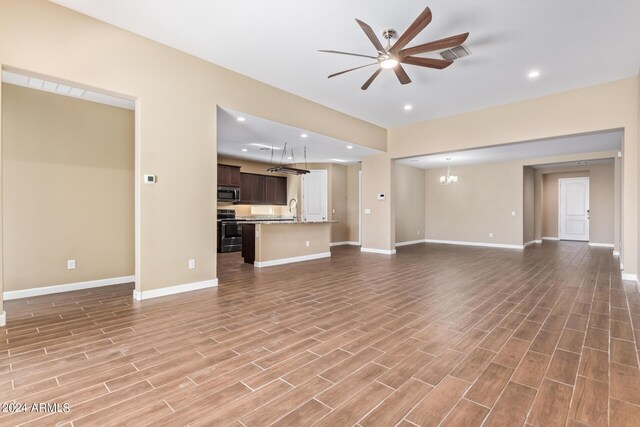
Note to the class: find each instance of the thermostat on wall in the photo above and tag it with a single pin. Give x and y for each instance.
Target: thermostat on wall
(149, 179)
(381, 196)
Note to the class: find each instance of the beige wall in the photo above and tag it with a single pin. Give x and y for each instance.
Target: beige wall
(339, 204)
(378, 227)
(409, 196)
(528, 210)
(606, 106)
(601, 199)
(353, 200)
(480, 203)
(175, 123)
(68, 189)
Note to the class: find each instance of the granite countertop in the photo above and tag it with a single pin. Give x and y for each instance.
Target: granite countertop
(287, 222)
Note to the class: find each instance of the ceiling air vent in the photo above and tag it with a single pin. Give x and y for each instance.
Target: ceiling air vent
(455, 53)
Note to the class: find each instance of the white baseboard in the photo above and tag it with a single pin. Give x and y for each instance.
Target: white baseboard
(261, 264)
(379, 251)
(410, 242)
(601, 245)
(482, 244)
(529, 243)
(630, 277)
(345, 243)
(550, 238)
(616, 253)
(538, 241)
(3, 318)
(171, 290)
(46, 290)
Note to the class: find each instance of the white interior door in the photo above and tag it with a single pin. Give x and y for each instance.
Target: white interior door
(573, 218)
(314, 196)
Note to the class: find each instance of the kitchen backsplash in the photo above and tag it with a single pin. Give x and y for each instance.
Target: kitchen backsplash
(252, 210)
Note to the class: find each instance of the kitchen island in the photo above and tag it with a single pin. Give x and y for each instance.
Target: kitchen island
(267, 243)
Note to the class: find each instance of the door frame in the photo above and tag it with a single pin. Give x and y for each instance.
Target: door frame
(560, 216)
(360, 208)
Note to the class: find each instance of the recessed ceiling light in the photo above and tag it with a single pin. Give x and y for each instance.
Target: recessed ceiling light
(244, 150)
(241, 119)
(349, 147)
(304, 135)
(339, 160)
(408, 107)
(533, 74)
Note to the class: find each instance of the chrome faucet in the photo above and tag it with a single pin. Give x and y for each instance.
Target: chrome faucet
(293, 205)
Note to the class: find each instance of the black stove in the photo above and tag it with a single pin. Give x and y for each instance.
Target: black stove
(229, 231)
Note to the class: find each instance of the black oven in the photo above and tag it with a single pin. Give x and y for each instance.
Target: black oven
(229, 231)
(228, 194)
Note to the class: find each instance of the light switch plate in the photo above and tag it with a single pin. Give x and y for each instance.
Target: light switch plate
(71, 264)
(149, 179)
(367, 211)
(192, 264)
(381, 196)
(513, 213)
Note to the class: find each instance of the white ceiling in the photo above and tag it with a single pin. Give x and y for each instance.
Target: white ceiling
(61, 88)
(234, 136)
(575, 144)
(574, 43)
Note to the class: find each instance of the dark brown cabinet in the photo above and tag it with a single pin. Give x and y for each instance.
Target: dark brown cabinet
(252, 189)
(262, 189)
(276, 187)
(228, 176)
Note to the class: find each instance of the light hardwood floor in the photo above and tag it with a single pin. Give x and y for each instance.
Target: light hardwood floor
(436, 335)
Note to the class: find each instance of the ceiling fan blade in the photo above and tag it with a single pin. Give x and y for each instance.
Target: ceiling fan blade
(366, 84)
(426, 62)
(372, 36)
(348, 53)
(401, 74)
(445, 43)
(414, 29)
(351, 69)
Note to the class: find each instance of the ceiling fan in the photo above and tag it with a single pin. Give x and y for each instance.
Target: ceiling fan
(391, 57)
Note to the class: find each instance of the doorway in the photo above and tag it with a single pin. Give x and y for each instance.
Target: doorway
(314, 196)
(573, 205)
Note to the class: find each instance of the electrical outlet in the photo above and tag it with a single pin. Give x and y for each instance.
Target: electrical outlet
(491, 235)
(513, 213)
(307, 243)
(417, 232)
(71, 264)
(333, 211)
(367, 211)
(192, 264)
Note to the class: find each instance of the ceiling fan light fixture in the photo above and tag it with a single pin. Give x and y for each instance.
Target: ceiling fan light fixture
(388, 63)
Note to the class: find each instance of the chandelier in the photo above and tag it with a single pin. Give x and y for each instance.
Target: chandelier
(448, 179)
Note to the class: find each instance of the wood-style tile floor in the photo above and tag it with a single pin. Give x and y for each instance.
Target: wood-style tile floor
(436, 335)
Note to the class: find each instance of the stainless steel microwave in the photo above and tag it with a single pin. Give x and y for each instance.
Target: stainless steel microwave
(228, 194)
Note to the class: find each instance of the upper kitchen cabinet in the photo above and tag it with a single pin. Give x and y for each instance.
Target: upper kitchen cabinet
(228, 176)
(262, 189)
(276, 187)
(253, 189)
